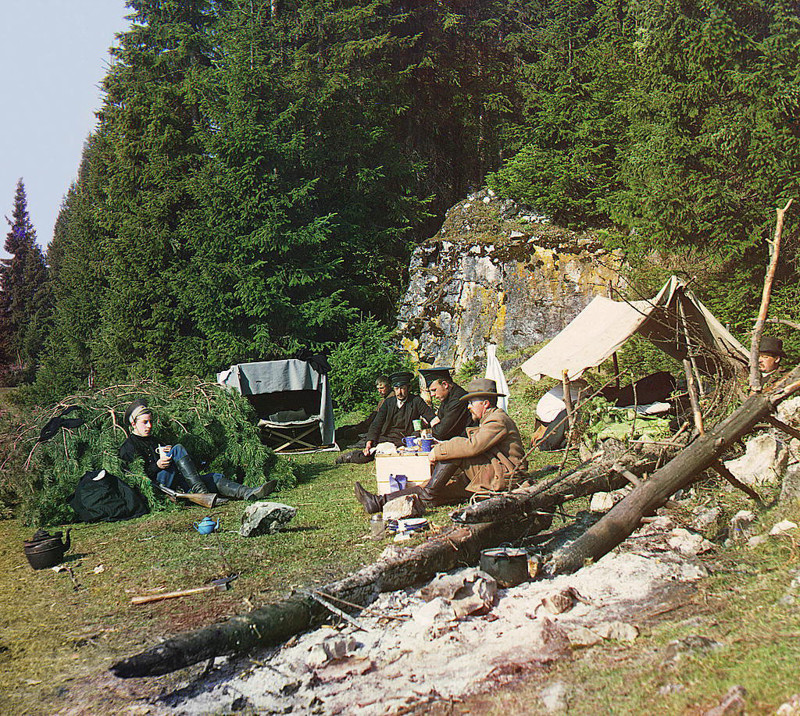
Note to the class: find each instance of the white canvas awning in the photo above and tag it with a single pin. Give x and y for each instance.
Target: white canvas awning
(605, 325)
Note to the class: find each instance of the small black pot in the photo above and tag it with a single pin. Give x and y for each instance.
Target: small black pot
(46, 550)
(508, 565)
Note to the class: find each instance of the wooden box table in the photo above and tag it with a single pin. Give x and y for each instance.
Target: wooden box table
(414, 465)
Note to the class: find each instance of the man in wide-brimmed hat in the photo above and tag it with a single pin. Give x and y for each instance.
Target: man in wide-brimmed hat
(394, 420)
(489, 458)
(770, 354)
(452, 415)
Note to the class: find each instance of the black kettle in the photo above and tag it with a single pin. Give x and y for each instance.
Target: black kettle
(45, 550)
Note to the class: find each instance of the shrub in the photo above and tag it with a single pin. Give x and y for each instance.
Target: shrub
(357, 362)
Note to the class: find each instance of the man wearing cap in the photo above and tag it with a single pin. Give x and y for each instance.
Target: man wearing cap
(770, 355)
(452, 416)
(489, 458)
(172, 466)
(394, 420)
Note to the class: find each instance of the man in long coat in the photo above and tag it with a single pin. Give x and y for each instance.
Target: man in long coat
(489, 458)
(452, 416)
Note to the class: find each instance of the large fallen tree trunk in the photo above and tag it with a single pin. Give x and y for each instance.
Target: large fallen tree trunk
(603, 474)
(274, 623)
(680, 472)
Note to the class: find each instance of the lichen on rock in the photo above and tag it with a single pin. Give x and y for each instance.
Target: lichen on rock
(497, 272)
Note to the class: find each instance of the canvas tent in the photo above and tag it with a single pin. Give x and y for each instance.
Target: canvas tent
(666, 320)
(292, 400)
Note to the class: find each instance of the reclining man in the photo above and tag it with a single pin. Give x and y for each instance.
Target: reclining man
(452, 417)
(175, 469)
(394, 420)
(490, 458)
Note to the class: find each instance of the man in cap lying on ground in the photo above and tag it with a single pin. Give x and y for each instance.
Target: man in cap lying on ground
(452, 416)
(394, 420)
(489, 458)
(174, 468)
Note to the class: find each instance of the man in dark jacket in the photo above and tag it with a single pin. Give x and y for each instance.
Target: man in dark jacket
(394, 420)
(171, 465)
(452, 416)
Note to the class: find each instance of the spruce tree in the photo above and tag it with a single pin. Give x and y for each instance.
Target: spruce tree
(23, 292)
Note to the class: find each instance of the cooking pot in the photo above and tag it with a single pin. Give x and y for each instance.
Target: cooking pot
(508, 565)
(45, 550)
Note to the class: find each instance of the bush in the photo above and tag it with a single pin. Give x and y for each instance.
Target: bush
(357, 362)
(216, 425)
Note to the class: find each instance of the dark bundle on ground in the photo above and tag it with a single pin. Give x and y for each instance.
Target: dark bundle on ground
(216, 425)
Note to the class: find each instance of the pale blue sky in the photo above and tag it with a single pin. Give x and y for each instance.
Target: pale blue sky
(53, 55)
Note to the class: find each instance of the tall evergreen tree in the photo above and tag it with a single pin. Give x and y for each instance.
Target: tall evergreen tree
(23, 289)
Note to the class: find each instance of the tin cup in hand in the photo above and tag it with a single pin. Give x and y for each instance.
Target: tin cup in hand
(164, 451)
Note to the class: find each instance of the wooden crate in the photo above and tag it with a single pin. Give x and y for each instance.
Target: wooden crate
(417, 468)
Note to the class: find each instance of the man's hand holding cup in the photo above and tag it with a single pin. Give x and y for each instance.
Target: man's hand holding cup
(163, 456)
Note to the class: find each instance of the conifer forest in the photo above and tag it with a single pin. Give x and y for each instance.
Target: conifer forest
(262, 169)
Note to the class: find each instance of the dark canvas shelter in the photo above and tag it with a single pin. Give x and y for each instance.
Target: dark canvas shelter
(292, 400)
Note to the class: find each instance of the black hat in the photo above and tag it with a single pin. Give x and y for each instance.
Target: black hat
(772, 345)
(402, 378)
(134, 410)
(432, 374)
(482, 388)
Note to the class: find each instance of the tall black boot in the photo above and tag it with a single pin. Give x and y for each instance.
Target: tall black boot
(190, 474)
(431, 492)
(229, 488)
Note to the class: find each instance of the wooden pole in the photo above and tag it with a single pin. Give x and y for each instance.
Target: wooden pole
(568, 401)
(758, 329)
(690, 370)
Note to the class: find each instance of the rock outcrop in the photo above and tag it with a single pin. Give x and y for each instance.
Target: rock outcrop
(496, 272)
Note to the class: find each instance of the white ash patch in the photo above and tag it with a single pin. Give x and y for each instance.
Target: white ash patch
(414, 651)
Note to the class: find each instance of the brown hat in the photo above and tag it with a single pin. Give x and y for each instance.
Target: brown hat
(772, 345)
(482, 388)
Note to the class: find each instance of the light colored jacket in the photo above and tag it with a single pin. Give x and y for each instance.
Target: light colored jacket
(489, 454)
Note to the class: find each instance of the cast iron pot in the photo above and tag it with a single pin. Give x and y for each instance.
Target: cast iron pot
(508, 565)
(45, 550)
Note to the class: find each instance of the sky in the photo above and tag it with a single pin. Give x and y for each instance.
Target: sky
(53, 56)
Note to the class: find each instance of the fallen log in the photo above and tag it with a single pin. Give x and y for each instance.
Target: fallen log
(680, 472)
(275, 623)
(601, 475)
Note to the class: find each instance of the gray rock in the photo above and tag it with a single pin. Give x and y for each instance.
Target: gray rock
(693, 644)
(401, 507)
(763, 462)
(583, 636)
(618, 631)
(265, 518)
(555, 697)
(497, 282)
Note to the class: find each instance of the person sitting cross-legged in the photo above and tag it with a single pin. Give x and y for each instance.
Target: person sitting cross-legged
(176, 470)
(489, 458)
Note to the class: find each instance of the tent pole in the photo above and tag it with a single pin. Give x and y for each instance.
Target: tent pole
(568, 401)
(690, 370)
(614, 355)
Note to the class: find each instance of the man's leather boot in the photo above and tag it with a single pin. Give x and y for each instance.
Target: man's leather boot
(229, 488)
(370, 502)
(190, 474)
(431, 491)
